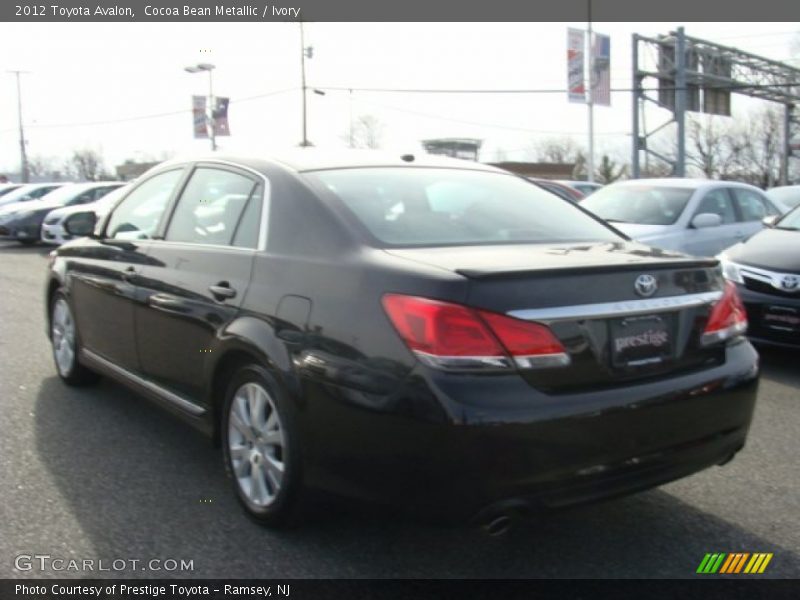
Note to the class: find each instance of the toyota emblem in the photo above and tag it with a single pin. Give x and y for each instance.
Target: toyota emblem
(645, 285)
(790, 282)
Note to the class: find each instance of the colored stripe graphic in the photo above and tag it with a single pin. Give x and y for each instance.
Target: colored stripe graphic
(758, 563)
(734, 563)
(711, 563)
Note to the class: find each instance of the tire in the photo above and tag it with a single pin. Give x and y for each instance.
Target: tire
(27, 242)
(65, 342)
(267, 477)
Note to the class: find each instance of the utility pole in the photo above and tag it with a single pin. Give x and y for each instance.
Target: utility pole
(590, 100)
(680, 101)
(24, 171)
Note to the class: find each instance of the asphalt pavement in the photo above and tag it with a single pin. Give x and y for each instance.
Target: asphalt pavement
(99, 474)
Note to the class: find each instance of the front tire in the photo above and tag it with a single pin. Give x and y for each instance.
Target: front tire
(261, 448)
(64, 339)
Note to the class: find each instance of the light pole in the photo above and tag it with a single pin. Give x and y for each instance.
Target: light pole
(305, 52)
(211, 124)
(23, 156)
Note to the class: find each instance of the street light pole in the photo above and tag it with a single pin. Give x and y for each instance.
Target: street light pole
(303, 80)
(24, 170)
(590, 99)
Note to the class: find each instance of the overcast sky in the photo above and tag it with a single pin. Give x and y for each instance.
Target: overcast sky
(84, 73)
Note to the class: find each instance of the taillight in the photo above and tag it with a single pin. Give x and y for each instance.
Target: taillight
(727, 319)
(450, 336)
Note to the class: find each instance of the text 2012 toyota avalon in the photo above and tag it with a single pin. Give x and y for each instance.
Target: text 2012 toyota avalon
(428, 332)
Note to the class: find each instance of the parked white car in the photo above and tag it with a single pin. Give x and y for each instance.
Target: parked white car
(696, 216)
(53, 226)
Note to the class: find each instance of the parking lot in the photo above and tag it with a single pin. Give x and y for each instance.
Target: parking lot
(99, 473)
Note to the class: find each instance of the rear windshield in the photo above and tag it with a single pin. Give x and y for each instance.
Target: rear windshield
(645, 204)
(429, 207)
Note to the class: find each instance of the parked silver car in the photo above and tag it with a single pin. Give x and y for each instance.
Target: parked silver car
(696, 216)
(785, 196)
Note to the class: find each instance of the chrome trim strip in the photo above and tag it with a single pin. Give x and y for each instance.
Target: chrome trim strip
(181, 403)
(615, 309)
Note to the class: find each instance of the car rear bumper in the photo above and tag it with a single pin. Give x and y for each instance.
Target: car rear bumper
(20, 231)
(772, 319)
(550, 451)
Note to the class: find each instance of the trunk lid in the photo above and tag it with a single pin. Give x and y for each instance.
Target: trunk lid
(612, 329)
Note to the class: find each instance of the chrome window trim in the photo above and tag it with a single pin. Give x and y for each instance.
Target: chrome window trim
(613, 309)
(168, 396)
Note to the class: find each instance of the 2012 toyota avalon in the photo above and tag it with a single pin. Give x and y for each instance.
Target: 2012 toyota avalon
(433, 333)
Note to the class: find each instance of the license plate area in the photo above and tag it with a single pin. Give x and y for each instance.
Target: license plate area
(641, 340)
(781, 318)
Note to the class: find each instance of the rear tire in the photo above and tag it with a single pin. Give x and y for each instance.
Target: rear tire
(65, 342)
(261, 448)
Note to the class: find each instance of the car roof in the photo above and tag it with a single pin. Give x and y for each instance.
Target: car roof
(683, 182)
(313, 159)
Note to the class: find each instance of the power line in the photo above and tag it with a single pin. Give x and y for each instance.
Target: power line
(480, 124)
(726, 86)
(148, 116)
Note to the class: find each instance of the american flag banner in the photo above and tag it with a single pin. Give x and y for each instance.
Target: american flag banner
(199, 117)
(601, 77)
(220, 115)
(576, 84)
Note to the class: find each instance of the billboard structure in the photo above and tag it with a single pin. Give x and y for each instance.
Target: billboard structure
(699, 76)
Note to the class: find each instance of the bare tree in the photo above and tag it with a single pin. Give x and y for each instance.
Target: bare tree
(87, 164)
(558, 150)
(758, 149)
(608, 171)
(44, 167)
(367, 132)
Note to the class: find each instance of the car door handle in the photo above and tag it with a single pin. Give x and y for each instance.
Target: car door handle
(129, 273)
(222, 291)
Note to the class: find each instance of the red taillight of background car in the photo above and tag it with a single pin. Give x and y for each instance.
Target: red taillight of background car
(451, 336)
(727, 319)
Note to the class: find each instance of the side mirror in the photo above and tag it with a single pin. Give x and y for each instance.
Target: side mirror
(704, 220)
(770, 220)
(80, 224)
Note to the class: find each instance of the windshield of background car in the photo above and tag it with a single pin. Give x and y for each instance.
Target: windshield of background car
(790, 221)
(644, 204)
(429, 207)
(789, 196)
(63, 194)
(26, 193)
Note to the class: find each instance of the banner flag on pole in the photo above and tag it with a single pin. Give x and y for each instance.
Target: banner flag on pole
(601, 78)
(576, 40)
(220, 114)
(199, 118)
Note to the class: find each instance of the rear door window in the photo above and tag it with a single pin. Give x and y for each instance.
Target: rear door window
(213, 205)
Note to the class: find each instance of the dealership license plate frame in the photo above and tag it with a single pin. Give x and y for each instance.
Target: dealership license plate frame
(655, 326)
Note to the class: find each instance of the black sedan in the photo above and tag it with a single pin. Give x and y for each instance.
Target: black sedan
(766, 271)
(432, 333)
